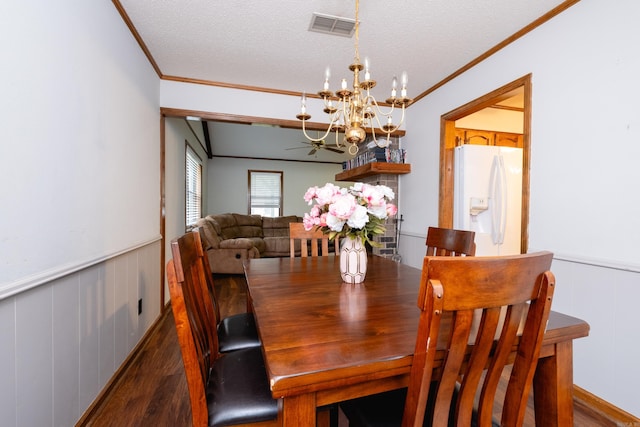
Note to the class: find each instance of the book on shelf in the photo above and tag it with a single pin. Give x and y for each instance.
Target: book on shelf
(378, 154)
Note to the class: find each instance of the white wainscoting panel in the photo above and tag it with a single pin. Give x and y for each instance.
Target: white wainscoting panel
(34, 350)
(66, 357)
(62, 341)
(8, 401)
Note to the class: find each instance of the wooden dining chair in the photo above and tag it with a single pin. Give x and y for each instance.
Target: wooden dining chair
(300, 239)
(224, 389)
(450, 242)
(234, 332)
(481, 303)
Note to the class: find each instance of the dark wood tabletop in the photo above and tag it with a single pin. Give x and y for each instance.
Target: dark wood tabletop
(325, 341)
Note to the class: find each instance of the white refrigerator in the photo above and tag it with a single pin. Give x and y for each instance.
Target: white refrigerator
(488, 196)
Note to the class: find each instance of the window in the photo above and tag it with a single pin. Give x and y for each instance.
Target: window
(193, 171)
(265, 193)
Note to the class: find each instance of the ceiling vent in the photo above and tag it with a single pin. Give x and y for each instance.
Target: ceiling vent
(332, 25)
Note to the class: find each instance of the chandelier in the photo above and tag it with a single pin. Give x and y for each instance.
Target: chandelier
(355, 109)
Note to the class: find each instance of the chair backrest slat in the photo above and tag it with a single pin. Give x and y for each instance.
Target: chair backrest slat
(300, 239)
(450, 242)
(485, 301)
(199, 242)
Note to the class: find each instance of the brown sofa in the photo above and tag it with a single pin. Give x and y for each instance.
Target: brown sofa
(231, 238)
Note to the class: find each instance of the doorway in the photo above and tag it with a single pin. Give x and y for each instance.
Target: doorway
(449, 140)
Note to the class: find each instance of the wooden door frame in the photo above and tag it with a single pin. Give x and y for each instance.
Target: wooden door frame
(448, 142)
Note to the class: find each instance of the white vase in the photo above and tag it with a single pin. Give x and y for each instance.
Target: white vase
(353, 260)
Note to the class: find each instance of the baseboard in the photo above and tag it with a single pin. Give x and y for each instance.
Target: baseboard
(89, 413)
(604, 408)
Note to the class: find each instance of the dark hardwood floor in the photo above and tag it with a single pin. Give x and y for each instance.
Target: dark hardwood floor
(153, 392)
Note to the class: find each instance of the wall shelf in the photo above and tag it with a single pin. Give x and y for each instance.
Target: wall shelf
(374, 168)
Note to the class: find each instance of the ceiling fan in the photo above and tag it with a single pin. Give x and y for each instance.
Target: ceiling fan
(319, 145)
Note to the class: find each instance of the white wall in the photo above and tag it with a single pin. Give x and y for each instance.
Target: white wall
(77, 95)
(585, 133)
(79, 196)
(228, 181)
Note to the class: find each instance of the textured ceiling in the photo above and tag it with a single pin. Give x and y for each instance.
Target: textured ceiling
(267, 44)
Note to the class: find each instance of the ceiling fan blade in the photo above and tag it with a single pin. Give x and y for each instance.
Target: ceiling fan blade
(294, 148)
(313, 151)
(335, 150)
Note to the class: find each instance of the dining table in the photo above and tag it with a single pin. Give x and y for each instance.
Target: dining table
(325, 341)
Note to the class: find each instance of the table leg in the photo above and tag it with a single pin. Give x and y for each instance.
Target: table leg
(299, 411)
(553, 388)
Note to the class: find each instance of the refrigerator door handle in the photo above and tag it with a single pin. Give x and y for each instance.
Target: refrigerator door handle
(498, 200)
(494, 202)
(503, 200)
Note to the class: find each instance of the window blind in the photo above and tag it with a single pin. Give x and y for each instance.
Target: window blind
(193, 171)
(265, 193)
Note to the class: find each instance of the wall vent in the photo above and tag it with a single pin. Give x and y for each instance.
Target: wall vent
(335, 25)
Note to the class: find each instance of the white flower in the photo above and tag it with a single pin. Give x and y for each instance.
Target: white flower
(379, 211)
(334, 223)
(359, 218)
(388, 193)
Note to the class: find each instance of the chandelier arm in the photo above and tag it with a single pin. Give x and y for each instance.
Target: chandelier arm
(337, 140)
(374, 103)
(390, 129)
(304, 131)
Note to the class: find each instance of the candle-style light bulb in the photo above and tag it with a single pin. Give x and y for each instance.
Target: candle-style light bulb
(394, 85)
(403, 90)
(303, 103)
(367, 74)
(344, 84)
(327, 75)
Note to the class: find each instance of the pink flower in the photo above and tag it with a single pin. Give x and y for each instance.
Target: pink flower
(343, 206)
(310, 194)
(326, 194)
(309, 222)
(323, 220)
(372, 195)
(392, 209)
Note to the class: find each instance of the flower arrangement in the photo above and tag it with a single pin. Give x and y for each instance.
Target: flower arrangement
(359, 211)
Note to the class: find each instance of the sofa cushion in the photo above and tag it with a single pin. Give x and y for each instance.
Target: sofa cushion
(239, 243)
(249, 225)
(276, 246)
(258, 243)
(228, 226)
(278, 226)
(211, 231)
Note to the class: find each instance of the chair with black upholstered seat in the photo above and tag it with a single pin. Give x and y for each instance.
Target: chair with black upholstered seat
(224, 389)
(450, 242)
(301, 239)
(235, 332)
(481, 303)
